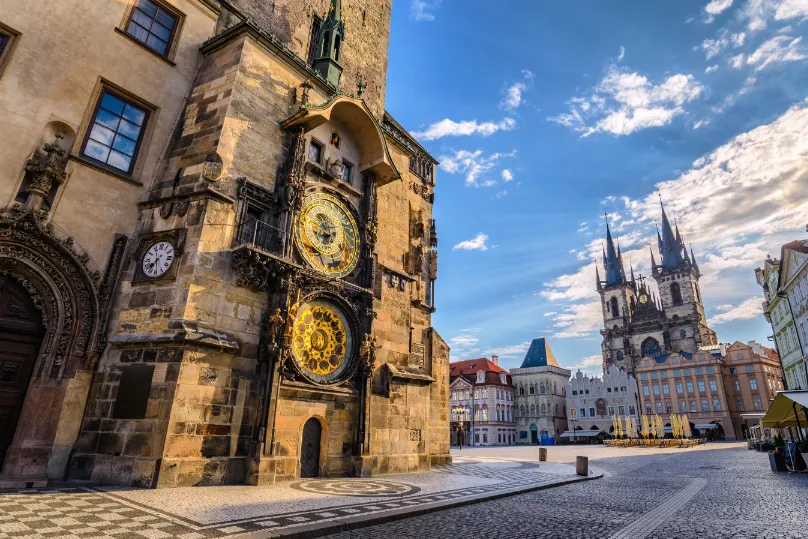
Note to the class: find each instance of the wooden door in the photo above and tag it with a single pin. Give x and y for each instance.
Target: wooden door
(310, 449)
(21, 333)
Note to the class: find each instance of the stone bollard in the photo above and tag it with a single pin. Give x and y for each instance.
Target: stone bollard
(543, 454)
(582, 466)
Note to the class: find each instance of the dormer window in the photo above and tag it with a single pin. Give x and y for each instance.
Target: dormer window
(503, 378)
(480, 377)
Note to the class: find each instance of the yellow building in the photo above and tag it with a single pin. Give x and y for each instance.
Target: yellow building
(230, 256)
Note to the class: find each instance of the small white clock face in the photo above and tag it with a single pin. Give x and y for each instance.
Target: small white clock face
(158, 259)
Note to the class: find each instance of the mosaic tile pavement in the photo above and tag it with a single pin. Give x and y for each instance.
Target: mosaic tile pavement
(204, 512)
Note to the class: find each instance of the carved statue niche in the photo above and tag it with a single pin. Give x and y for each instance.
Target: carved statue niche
(336, 168)
(367, 353)
(417, 225)
(666, 338)
(46, 169)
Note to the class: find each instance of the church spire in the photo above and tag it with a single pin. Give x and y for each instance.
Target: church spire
(597, 277)
(671, 243)
(631, 266)
(612, 262)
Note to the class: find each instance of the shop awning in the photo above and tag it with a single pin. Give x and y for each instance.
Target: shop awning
(781, 412)
(581, 433)
(706, 426)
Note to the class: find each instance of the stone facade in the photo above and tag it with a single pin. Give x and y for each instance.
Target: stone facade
(793, 284)
(592, 401)
(638, 323)
(208, 376)
(68, 220)
(482, 403)
(540, 405)
(752, 375)
(685, 383)
(777, 311)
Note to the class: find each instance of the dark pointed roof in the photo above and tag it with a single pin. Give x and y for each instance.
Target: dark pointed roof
(612, 262)
(539, 355)
(670, 244)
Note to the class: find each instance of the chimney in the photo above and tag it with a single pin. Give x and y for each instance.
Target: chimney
(495, 360)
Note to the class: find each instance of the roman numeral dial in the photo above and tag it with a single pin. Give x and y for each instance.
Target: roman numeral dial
(158, 259)
(327, 236)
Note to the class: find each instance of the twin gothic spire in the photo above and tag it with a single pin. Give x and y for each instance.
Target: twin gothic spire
(671, 248)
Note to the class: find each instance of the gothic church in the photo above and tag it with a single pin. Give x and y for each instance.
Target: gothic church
(639, 323)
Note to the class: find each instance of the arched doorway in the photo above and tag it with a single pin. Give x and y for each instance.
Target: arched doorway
(310, 448)
(21, 334)
(534, 434)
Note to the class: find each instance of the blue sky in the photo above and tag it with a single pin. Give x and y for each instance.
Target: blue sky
(547, 114)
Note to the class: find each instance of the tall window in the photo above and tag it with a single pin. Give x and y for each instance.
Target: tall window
(756, 404)
(753, 384)
(676, 294)
(690, 387)
(713, 385)
(701, 386)
(682, 407)
(314, 38)
(716, 405)
(115, 132)
(705, 406)
(615, 310)
(153, 25)
(678, 387)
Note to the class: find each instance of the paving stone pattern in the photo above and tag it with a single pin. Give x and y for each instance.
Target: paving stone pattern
(200, 513)
(718, 494)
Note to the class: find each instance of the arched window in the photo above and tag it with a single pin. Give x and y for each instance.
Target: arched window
(532, 410)
(619, 355)
(615, 309)
(541, 388)
(650, 348)
(531, 390)
(555, 388)
(676, 294)
(543, 410)
(326, 43)
(337, 46)
(521, 411)
(521, 390)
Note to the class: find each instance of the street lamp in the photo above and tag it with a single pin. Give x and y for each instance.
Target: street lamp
(573, 422)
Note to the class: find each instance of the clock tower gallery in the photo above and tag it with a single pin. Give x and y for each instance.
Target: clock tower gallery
(638, 323)
(274, 318)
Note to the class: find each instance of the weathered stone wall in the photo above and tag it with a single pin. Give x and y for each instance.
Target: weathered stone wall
(367, 37)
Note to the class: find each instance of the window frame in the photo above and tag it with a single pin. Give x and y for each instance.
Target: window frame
(7, 51)
(173, 39)
(145, 131)
(315, 142)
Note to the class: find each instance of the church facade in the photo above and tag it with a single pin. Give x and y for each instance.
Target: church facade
(258, 306)
(638, 323)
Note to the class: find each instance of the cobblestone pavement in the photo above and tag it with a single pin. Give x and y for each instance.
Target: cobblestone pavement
(206, 512)
(717, 493)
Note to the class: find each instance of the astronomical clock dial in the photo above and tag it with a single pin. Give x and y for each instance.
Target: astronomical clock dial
(158, 259)
(327, 236)
(322, 342)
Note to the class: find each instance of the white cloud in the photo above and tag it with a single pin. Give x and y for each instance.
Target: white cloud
(475, 244)
(625, 102)
(715, 7)
(700, 123)
(737, 61)
(509, 351)
(447, 127)
(507, 175)
(778, 50)
(711, 69)
(589, 365)
(474, 165)
(736, 204)
(738, 39)
(501, 194)
(714, 47)
(621, 55)
(423, 10)
(513, 94)
(759, 13)
(747, 309)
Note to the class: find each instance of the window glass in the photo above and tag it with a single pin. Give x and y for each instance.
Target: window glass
(315, 151)
(690, 387)
(682, 407)
(679, 388)
(750, 368)
(643, 376)
(701, 386)
(645, 391)
(666, 389)
(152, 25)
(676, 372)
(716, 405)
(693, 407)
(115, 132)
(705, 406)
(346, 172)
(753, 384)
(713, 385)
(686, 372)
(698, 370)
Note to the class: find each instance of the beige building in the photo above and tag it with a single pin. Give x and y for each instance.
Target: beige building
(87, 117)
(752, 375)
(226, 259)
(540, 403)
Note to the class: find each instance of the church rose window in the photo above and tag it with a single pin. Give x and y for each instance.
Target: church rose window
(650, 348)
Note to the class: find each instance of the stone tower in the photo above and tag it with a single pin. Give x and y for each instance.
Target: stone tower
(639, 324)
(274, 315)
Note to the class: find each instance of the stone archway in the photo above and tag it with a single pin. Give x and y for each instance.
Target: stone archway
(310, 448)
(63, 289)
